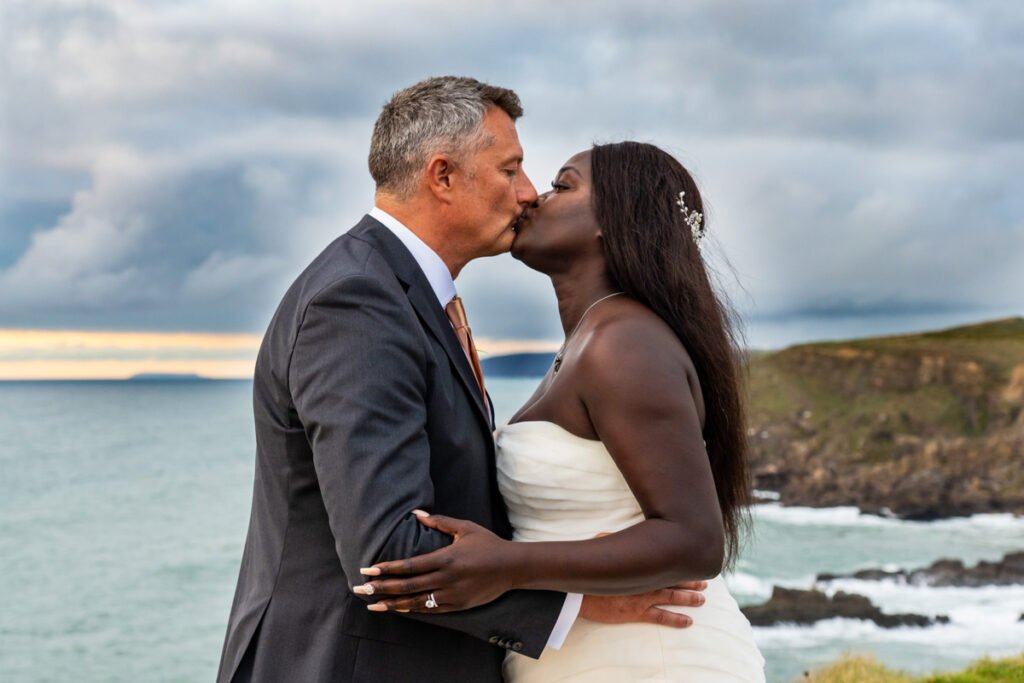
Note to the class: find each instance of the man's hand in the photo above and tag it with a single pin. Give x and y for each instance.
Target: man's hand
(645, 607)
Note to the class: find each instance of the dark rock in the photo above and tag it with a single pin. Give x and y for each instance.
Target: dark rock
(769, 478)
(1005, 572)
(809, 606)
(931, 513)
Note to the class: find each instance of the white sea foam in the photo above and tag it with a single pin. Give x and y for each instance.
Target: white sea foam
(992, 636)
(981, 522)
(961, 604)
(984, 621)
(851, 516)
(746, 584)
(807, 516)
(957, 602)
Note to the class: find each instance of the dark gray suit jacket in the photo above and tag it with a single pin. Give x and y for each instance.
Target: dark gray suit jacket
(366, 408)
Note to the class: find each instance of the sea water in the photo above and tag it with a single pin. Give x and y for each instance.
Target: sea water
(124, 506)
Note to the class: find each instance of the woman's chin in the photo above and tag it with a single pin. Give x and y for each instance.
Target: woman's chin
(520, 249)
(525, 256)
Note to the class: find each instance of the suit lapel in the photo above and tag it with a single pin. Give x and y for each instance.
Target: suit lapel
(424, 302)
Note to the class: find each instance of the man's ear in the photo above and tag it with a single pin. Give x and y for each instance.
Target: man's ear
(438, 176)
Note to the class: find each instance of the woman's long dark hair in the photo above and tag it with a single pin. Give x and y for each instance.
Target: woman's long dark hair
(653, 257)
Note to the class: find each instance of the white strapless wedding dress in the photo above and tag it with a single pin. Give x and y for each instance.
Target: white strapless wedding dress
(561, 487)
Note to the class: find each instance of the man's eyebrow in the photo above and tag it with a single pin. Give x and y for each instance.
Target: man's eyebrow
(517, 158)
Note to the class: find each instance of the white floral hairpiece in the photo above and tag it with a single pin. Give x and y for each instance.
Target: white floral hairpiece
(692, 218)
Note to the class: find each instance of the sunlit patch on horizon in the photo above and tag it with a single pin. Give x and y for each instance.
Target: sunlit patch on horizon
(27, 354)
(85, 354)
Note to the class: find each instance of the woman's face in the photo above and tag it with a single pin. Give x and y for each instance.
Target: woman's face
(561, 225)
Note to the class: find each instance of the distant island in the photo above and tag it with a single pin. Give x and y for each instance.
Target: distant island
(168, 377)
(517, 365)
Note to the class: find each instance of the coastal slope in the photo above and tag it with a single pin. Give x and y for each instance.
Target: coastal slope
(920, 426)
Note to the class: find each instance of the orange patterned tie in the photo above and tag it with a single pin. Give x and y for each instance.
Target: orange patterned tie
(457, 314)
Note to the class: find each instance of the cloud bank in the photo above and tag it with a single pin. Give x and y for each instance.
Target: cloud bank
(172, 166)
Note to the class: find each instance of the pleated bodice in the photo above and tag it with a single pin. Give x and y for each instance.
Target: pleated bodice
(561, 487)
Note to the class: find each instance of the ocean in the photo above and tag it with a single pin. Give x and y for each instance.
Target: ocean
(124, 506)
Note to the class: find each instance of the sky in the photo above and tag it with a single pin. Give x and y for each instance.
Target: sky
(167, 168)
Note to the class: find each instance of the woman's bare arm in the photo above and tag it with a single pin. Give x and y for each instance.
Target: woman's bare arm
(638, 387)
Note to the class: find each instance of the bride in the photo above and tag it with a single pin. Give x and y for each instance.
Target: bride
(626, 471)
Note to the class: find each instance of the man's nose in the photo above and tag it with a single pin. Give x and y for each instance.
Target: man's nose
(526, 193)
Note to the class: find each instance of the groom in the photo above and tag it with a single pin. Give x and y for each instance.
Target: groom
(369, 405)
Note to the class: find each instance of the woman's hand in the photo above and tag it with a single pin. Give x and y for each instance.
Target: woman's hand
(474, 570)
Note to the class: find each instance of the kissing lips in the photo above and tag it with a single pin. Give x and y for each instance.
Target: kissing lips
(518, 222)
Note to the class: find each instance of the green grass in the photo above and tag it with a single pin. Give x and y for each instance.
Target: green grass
(1007, 328)
(856, 669)
(986, 671)
(862, 669)
(841, 392)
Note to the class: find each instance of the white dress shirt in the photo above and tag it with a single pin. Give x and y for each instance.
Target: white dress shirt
(441, 281)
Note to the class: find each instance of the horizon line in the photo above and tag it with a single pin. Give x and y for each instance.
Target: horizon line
(28, 354)
(82, 355)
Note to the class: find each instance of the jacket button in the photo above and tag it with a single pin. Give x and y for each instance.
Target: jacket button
(493, 640)
(517, 646)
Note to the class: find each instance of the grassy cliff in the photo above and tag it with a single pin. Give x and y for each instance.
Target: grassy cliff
(925, 425)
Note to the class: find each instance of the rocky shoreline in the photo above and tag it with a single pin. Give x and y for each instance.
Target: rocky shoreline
(947, 572)
(806, 607)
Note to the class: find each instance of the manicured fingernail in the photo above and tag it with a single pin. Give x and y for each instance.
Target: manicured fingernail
(403, 611)
(420, 513)
(365, 589)
(369, 571)
(377, 607)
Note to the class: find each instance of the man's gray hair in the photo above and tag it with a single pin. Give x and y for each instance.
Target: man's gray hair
(438, 115)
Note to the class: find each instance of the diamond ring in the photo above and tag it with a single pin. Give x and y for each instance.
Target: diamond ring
(431, 602)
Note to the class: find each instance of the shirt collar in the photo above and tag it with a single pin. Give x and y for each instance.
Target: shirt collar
(438, 275)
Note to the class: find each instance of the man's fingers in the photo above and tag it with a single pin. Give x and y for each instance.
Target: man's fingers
(665, 618)
(680, 598)
(691, 586)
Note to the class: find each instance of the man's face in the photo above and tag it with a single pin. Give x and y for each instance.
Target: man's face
(494, 189)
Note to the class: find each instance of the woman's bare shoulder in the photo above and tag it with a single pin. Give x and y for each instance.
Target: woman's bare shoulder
(630, 333)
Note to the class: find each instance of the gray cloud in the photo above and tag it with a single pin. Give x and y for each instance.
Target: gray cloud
(174, 165)
(203, 239)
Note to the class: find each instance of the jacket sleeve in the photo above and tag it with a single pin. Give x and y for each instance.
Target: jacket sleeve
(357, 377)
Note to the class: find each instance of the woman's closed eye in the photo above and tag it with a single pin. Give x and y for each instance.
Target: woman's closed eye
(558, 187)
